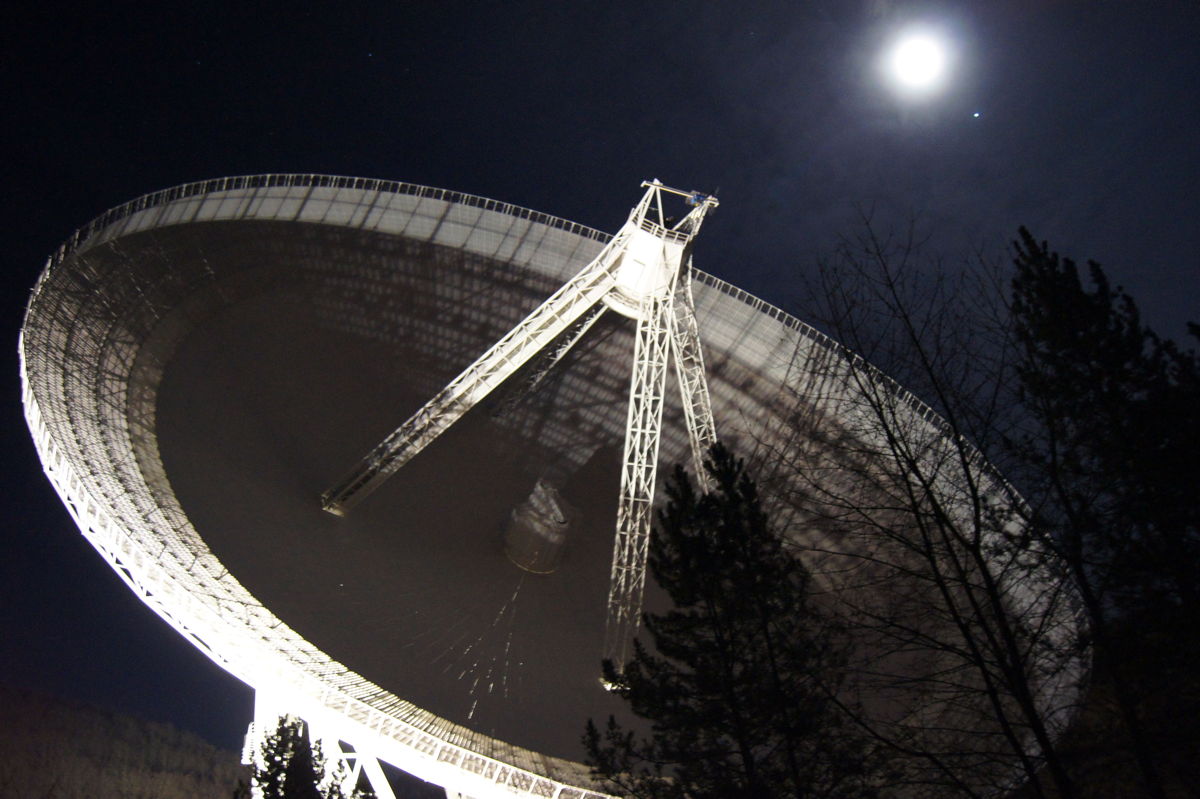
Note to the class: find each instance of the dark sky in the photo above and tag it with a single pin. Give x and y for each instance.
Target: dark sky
(1086, 132)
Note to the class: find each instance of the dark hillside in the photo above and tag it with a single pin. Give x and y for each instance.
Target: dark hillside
(54, 749)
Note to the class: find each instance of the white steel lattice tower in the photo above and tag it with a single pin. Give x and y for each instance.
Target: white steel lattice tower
(644, 273)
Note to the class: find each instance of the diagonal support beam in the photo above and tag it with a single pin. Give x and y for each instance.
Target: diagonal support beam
(689, 370)
(551, 358)
(643, 273)
(345, 767)
(636, 504)
(506, 356)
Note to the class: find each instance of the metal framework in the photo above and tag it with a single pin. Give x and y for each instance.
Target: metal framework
(90, 374)
(551, 358)
(343, 764)
(644, 272)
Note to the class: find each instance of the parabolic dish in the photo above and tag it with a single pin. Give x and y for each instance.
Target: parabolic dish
(201, 363)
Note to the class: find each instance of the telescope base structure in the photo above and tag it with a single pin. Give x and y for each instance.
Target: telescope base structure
(341, 764)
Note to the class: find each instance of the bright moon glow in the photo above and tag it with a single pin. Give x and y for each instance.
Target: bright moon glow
(918, 61)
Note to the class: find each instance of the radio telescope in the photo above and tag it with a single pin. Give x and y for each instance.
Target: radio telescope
(199, 364)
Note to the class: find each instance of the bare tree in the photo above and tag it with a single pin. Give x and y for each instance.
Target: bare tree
(967, 638)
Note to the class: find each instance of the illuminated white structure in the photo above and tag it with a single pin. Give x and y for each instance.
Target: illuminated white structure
(194, 362)
(644, 273)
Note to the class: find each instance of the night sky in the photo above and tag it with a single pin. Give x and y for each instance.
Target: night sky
(1076, 119)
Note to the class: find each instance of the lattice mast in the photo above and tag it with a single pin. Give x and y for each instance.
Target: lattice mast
(643, 273)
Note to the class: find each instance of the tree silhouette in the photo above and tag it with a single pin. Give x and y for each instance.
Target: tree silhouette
(967, 659)
(738, 684)
(291, 767)
(1111, 456)
(1092, 417)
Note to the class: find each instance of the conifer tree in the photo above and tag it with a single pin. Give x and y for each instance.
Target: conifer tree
(1113, 468)
(291, 767)
(738, 684)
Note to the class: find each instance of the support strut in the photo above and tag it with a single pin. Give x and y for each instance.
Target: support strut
(643, 273)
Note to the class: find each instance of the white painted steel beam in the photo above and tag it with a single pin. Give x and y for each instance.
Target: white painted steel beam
(530, 336)
(552, 358)
(689, 370)
(642, 259)
(635, 509)
(638, 274)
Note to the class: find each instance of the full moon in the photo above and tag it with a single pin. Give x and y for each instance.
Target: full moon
(917, 61)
